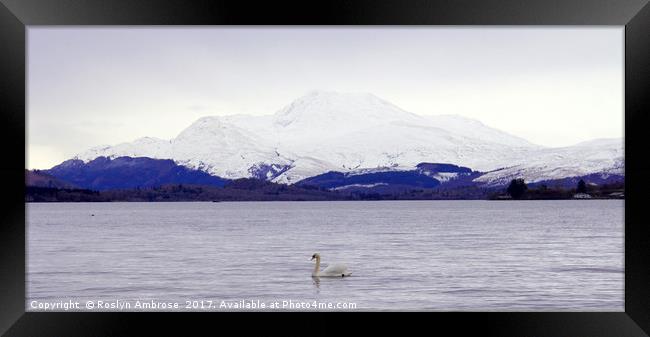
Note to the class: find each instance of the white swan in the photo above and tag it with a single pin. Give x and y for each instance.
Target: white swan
(333, 270)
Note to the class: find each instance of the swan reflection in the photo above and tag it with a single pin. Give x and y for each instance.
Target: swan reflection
(316, 282)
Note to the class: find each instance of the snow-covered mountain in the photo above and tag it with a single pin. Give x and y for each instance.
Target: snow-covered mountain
(344, 132)
(603, 156)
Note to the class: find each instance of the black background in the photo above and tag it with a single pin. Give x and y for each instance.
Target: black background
(15, 15)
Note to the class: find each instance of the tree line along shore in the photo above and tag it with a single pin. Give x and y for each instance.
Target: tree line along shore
(248, 189)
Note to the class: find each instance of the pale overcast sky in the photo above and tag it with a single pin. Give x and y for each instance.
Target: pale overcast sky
(555, 86)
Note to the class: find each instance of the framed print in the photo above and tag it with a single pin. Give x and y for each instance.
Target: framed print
(471, 165)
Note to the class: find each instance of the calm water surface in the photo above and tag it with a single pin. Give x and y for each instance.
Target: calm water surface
(404, 255)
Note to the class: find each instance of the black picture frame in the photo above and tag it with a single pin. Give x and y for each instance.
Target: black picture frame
(16, 15)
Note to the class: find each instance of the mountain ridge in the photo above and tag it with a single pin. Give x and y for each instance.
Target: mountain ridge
(104, 173)
(330, 131)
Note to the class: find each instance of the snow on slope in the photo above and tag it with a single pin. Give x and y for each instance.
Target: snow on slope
(597, 156)
(142, 147)
(222, 149)
(461, 125)
(356, 131)
(330, 131)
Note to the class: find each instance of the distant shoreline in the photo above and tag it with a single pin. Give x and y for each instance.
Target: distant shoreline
(351, 201)
(190, 194)
(251, 189)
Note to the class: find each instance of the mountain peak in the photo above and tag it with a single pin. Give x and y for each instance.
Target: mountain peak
(319, 106)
